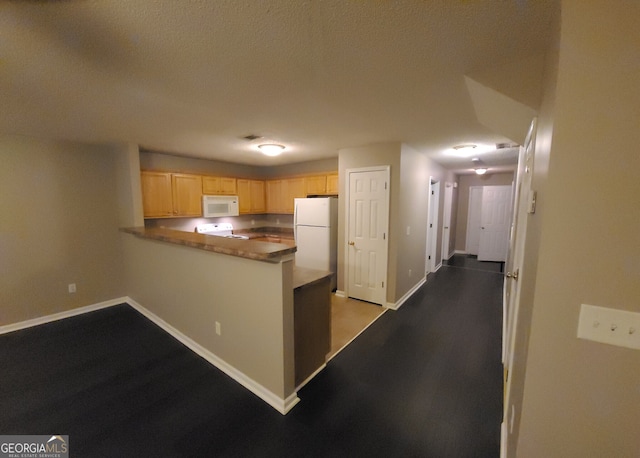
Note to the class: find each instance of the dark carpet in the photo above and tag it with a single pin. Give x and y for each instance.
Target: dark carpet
(424, 381)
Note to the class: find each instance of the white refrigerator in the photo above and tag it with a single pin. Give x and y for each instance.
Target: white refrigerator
(315, 228)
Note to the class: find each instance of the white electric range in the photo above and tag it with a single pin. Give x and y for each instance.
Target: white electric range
(219, 230)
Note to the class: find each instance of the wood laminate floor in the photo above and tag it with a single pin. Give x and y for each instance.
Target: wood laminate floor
(423, 381)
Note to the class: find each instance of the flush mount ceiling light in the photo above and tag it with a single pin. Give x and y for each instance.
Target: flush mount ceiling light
(271, 149)
(481, 171)
(465, 148)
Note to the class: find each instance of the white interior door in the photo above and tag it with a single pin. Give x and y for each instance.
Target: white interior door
(446, 220)
(473, 220)
(432, 229)
(368, 223)
(513, 266)
(495, 223)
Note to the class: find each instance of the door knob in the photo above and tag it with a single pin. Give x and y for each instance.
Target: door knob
(352, 243)
(513, 275)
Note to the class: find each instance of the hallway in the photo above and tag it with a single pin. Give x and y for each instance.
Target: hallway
(423, 381)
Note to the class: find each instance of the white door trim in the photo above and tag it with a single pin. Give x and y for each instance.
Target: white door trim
(432, 225)
(387, 170)
(512, 287)
(473, 219)
(446, 220)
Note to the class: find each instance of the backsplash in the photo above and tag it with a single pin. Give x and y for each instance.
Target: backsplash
(239, 222)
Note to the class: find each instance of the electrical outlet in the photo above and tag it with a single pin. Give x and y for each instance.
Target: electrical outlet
(610, 326)
(72, 288)
(218, 328)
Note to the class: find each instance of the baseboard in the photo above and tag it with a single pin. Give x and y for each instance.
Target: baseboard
(503, 440)
(308, 379)
(459, 252)
(61, 315)
(281, 405)
(438, 266)
(403, 299)
(339, 293)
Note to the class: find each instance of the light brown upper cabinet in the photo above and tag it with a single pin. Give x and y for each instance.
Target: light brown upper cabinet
(219, 185)
(292, 188)
(281, 194)
(166, 195)
(274, 193)
(315, 184)
(332, 183)
(251, 197)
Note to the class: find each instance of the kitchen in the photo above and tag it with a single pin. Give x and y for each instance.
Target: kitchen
(251, 228)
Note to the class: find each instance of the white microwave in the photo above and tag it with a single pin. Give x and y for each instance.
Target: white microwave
(214, 206)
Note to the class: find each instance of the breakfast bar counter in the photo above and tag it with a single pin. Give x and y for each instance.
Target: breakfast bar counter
(252, 249)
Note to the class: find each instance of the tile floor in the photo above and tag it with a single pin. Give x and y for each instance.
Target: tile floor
(349, 317)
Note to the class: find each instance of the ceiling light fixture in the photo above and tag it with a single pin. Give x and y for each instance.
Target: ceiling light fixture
(271, 149)
(466, 147)
(481, 171)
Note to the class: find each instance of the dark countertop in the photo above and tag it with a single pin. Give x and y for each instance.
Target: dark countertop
(257, 250)
(272, 232)
(307, 277)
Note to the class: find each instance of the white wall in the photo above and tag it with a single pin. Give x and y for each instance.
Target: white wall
(191, 289)
(581, 398)
(59, 226)
(408, 201)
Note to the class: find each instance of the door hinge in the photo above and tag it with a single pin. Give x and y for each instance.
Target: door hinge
(429, 256)
(430, 225)
(385, 185)
(433, 193)
(532, 202)
(384, 236)
(383, 284)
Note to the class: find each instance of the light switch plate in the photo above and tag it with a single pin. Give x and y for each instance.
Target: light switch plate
(610, 326)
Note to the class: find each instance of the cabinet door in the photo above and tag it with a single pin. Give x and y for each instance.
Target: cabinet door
(219, 185)
(187, 194)
(292, 188)
(228, 186)
(210, 185)
(332, 183)
(257, 196)
(244, 195)
(157, 199)
(316, 184)
(274, 196)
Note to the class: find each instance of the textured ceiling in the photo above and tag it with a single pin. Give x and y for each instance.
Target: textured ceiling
(193, 77)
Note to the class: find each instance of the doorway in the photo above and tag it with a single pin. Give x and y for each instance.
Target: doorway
(446, 221)
(367, 228)
(432, 228)
(495, 222)
(473, 220)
